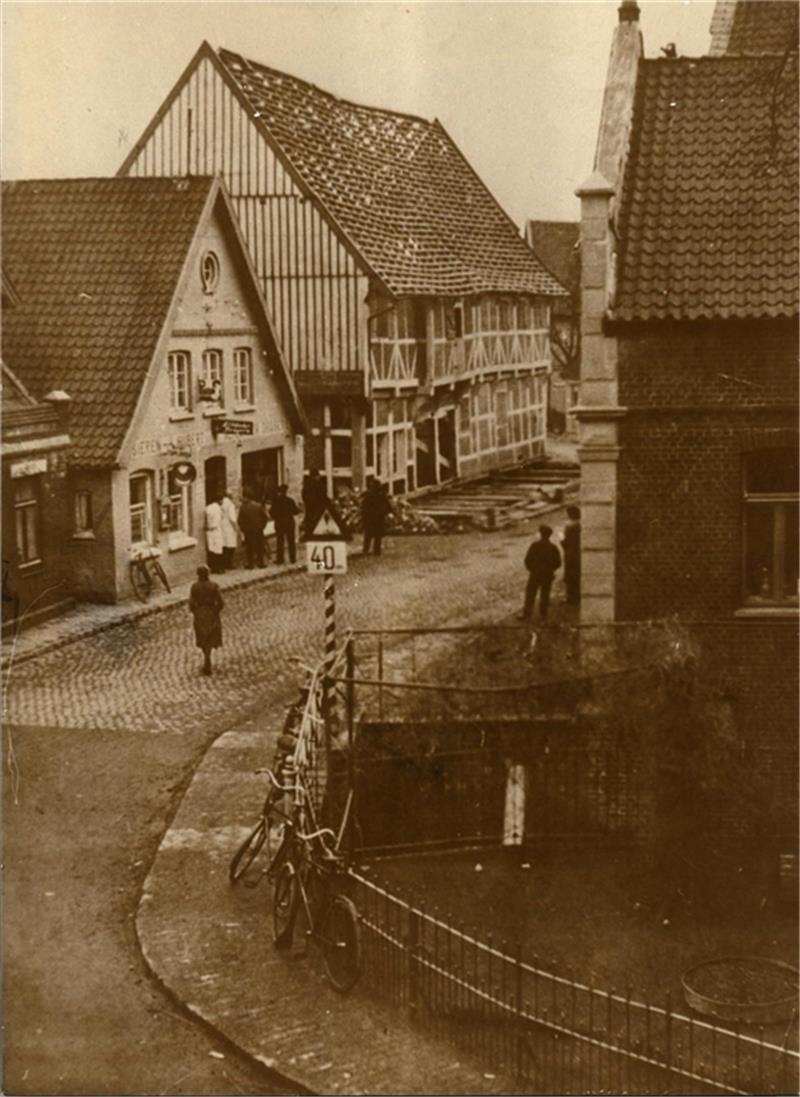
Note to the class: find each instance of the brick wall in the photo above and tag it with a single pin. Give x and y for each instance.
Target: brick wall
(700, 396)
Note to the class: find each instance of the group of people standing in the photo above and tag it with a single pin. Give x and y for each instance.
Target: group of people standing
(224, 523)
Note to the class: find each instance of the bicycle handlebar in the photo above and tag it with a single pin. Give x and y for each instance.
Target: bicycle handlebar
(316, 834)
(282, 788)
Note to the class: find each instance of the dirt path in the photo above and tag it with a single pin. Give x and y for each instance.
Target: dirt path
(81, 1013)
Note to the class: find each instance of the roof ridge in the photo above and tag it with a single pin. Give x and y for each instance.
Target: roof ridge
(151, 180)
(323, 91)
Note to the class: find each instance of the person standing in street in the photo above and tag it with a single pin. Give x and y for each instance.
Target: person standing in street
(283, 513)
(542, 561)
(252, 520)
(213, 524)
(205, 604)
(229, 532)
(572, 556)
(375, 508)
(315, 498)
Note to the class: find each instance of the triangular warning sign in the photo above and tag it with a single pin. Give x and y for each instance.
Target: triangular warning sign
(327, 528)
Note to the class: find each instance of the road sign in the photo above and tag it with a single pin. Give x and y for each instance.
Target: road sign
(326, 557)
(327, 529)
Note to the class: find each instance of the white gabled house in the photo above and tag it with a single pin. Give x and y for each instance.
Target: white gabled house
(138, 298)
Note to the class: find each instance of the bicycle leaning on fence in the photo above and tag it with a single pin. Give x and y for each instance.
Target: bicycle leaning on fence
(144, 570)
(291, 756)
(309, 884)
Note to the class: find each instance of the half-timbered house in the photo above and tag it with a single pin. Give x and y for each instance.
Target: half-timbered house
(137, 298)
(412, 314)
(557, 245)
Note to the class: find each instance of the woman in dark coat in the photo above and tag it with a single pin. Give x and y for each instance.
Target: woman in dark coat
(205, 602)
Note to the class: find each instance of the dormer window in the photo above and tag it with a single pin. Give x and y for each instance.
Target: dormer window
(209, 272)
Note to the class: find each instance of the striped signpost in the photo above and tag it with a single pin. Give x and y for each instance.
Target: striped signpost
(326, 555)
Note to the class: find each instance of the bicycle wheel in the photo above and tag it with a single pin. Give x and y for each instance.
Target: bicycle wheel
(285, 900)
(248, 851)
(140, 580)
(162, 575)
(341, 943)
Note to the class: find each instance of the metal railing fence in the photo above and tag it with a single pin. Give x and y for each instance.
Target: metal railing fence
(539, 1032)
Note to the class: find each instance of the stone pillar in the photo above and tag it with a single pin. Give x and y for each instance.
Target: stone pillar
(597, 413)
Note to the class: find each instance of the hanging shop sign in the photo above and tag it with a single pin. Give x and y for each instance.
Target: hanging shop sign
(184, 473)
(231, 426)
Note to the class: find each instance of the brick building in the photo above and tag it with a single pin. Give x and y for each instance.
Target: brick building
(412, 314)
(35, 448)
(137, 298)
(688, 404)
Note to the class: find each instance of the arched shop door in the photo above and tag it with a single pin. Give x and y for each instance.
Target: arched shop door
(216, 477)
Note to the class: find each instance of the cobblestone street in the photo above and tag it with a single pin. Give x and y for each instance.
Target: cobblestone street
(79, 765)
(144, 675)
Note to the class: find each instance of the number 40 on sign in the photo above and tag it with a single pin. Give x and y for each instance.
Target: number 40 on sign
(326, 557)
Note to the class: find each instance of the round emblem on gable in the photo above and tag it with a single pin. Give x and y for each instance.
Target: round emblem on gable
(209, 271)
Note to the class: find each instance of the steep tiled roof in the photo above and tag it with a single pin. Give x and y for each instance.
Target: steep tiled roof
(397, 186)
(708, 220)
(96, 263)
(556, 244)
(753, 26)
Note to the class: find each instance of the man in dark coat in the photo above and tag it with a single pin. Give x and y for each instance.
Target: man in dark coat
(315, 498)
(572, 556)
(205, 604)
(283, 511)
(252, 520)
(542, 561)
(375, 508)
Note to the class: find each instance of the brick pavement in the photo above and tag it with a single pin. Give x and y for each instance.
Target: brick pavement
(144, 675)
(208, 943)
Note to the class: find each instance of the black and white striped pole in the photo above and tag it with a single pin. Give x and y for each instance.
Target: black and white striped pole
(328, 692)
(327, 556)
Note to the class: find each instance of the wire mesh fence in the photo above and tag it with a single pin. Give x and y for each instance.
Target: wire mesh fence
(540, 1032)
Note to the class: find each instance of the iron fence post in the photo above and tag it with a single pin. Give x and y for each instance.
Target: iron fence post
(518, 1008)
(412, 952)
(351, 719)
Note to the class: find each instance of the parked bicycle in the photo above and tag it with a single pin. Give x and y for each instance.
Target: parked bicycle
(291, 756)
(310, 883)
(145, 568)
(274, 829)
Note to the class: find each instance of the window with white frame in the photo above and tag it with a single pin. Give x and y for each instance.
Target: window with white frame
(211, 378)
(27, 519)
(179, 369)
(243, 376)
(175, 504)
(771, 527)
(84, 519)
(141, 508)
